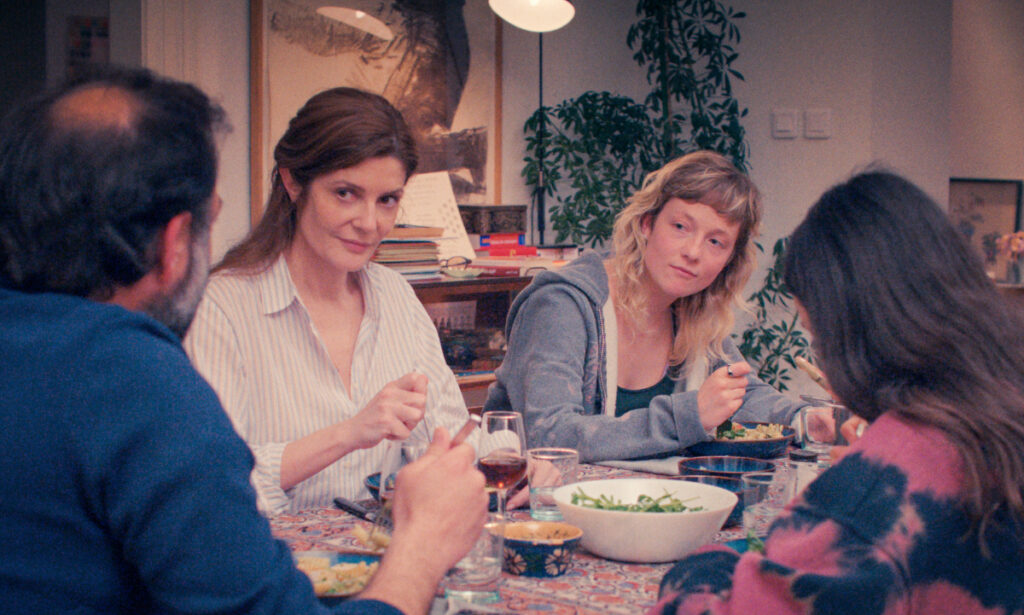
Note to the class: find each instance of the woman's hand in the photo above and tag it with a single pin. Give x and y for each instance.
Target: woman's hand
(852, 428)
(541, 473)
(721, 395)
(392, 414)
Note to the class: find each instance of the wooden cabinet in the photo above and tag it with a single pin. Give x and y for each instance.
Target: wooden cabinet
(492, 297)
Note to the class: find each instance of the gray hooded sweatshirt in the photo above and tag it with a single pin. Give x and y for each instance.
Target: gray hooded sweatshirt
(560, 373)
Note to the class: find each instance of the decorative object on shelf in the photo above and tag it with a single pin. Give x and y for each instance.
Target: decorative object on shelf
(592, 152)
(1011, 246)
(490, 219)
(984, 210)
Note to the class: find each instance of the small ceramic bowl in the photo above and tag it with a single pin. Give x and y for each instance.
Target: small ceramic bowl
(730, 484)
(372, 483)
(540, 548)
(724, 465)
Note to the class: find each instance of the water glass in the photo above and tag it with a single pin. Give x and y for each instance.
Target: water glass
(475, 578)
(764, 498)
(548, 468)
(820, 429)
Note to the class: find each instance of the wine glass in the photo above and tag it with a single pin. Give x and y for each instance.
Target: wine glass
(502, 447)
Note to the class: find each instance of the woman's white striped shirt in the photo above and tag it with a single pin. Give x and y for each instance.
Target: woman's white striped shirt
(253, 340)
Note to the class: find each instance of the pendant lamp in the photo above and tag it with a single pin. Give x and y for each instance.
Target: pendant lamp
(538, 16)
(534, 15)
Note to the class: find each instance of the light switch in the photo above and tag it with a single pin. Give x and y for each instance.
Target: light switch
(784, 123)
(817, 123)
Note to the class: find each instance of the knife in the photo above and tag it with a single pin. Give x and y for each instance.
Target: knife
(359, 510)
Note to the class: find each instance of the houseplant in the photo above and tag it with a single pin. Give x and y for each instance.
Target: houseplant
(591, 152)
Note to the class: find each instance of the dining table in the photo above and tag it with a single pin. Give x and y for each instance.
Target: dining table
(592, 584)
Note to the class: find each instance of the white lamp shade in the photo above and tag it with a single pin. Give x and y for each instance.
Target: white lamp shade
(534, 15)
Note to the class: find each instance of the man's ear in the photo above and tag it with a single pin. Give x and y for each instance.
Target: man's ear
(174, 249)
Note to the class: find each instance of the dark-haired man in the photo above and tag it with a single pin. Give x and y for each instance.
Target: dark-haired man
(124, 488)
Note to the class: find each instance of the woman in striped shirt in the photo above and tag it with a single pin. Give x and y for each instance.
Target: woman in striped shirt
(321, 357)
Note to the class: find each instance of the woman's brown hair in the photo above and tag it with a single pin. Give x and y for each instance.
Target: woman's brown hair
(335, 129)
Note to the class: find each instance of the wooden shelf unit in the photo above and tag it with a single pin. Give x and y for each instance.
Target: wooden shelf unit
(493, 297)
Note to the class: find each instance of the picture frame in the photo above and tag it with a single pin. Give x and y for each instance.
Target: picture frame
(984, 210)
(454, 108)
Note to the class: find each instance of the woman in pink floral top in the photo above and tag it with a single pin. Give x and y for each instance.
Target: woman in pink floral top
(925, 513)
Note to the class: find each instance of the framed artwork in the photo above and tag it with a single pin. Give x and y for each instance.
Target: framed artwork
(438, 62)
(984, 210)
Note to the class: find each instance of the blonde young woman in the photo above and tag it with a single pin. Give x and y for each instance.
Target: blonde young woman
(321, 357)
(630, 356)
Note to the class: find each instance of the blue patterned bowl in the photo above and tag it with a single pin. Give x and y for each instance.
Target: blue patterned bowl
(540, 548)
(724, 465)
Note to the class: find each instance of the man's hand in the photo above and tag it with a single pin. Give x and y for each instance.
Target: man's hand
(439, 510)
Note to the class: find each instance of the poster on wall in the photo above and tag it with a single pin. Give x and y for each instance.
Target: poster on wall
(984, 210)
(434, 60)
(88, 43)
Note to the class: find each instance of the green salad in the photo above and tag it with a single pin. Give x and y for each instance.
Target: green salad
(644, 503)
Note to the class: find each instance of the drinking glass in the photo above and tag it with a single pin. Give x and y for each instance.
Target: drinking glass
(396, 456)
(763, 499)
(548, 468)
(820, 427)
(501, 448)
(476, 577)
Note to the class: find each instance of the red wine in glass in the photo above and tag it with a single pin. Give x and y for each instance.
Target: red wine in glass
(502, 468)
(502, 448)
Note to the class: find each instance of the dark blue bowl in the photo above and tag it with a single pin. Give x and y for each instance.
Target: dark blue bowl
(760, 449)
(730, 484)
(372, 483)
(724, 465)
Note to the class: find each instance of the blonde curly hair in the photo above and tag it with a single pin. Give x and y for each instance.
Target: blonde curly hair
(705, 318)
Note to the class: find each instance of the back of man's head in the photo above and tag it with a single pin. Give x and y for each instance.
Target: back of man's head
(93, 171)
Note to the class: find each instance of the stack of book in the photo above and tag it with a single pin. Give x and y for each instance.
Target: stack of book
(412, 251)
(489, 245)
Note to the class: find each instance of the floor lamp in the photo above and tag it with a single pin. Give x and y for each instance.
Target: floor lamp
(538, 16)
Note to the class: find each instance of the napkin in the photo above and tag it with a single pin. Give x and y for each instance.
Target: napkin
(668, 465)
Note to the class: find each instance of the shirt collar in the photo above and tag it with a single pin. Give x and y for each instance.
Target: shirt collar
(276, 289)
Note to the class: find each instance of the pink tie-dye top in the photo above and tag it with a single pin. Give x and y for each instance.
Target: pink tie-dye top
(880, 533)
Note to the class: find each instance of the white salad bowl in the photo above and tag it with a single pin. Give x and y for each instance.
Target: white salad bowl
(646, 537)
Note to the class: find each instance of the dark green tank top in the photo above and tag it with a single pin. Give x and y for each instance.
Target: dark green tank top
(630, 399)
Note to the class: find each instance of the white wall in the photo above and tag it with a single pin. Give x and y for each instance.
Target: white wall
(850, 57)
(883, 68)
(987, 89)
(207, 43)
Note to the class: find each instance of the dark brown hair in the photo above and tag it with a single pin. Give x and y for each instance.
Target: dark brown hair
(335, 129)
(909, 323)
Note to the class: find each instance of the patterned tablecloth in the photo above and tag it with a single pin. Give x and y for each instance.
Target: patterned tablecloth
(592, 584)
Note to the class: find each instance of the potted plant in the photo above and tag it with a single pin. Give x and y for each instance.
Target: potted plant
(591, 152)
